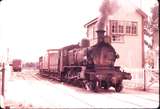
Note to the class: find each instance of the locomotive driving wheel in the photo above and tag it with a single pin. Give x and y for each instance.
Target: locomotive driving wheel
(90, 85)
(119, 87)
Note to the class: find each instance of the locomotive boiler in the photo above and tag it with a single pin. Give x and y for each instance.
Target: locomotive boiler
(93, 66)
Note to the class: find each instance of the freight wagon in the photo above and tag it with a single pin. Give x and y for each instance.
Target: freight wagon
(17, 65)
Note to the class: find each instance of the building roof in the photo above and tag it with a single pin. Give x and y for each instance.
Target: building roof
(138, 10)
(91, 22)
(142, 13)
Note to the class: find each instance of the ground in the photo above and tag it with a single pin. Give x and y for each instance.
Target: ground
(27, 89)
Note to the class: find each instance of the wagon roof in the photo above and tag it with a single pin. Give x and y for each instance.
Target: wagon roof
(71, 46)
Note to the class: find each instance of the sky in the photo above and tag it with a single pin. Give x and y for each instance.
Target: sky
(30, 27)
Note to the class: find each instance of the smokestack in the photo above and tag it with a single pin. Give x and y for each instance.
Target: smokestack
(100, 35)
(107, 8)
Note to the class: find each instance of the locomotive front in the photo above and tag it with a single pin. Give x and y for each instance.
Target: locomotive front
(103, 73)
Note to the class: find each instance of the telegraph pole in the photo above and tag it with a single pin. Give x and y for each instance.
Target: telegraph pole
(7, 55)
(3, 79)
(2, 88)
(2, 96)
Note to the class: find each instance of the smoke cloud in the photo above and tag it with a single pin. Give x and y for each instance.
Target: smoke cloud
(107, 8)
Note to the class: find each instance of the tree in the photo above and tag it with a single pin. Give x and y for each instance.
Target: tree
(151, 29)
(154, 21)
(155, 34)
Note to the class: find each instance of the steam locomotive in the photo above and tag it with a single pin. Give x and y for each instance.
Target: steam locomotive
(93, 66)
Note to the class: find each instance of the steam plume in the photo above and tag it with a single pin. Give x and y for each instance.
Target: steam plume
(107, 8)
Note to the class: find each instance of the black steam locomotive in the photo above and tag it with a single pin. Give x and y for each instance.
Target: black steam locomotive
(93, 66)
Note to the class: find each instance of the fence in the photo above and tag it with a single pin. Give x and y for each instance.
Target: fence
(142, 78)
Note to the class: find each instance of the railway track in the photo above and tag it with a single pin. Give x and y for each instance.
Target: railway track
(137, 101)
(62, 95)
(52, 81)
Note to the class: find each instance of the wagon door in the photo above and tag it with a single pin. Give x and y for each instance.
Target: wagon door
(53, 60)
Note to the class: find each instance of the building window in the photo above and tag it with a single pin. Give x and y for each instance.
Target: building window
(117, 38)
(131, 28)
(128, 29)
(134, 28)
(118, 29)
(114, 26)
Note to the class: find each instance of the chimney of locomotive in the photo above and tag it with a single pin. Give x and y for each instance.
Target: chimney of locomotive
(107, 8)
(100, 35)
